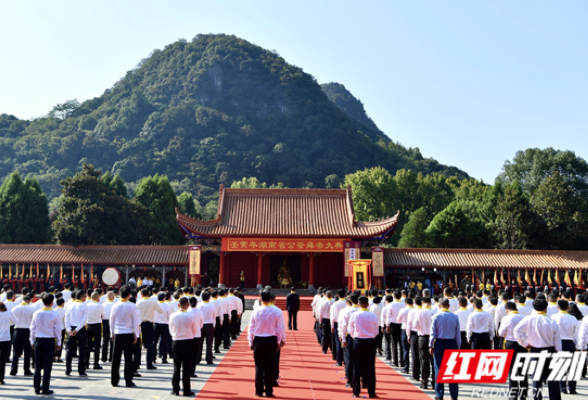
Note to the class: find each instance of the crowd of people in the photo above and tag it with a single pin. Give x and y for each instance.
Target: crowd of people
(412, 329)
(188, 326)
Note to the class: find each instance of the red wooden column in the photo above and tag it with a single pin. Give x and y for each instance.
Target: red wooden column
(260, 270)
(311, 271)
(222, 273)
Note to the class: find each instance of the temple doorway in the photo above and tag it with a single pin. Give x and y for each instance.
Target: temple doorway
(285, 269)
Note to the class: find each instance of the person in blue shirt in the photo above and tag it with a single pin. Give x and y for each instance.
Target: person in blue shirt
(445, 335)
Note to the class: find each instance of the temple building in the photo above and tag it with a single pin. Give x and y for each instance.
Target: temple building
(280, 237)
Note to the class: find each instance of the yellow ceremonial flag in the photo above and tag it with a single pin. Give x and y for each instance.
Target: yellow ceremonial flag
(576, 278)
(557, 278)
(567, 279)
(527, 277)
(2, 272)
(30, 270)
(48, 271)
(549, 281)
(534, 277)
(9, 272)
(16, 271)
(519, 278)
(495, 278)
(502, 278)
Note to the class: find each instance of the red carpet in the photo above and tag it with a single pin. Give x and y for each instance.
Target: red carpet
(306, 373)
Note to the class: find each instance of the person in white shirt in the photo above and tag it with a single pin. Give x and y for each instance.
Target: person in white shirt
(402, 319)
(266, 335)
(60, 310)
(236, 307)
(552, 307)
(225, 313)
(412, 338)
(480, 328)
(324, 309)
(67, 293)
(218, 323)
(334, 317)
(22, 316)
(389, 299)
(162, 335)
(148, 307)
(517, 389)
(183, 328)
(199, 318)
(364, 327)
(125, 329)
(422, 324)
(569, 328)
(522, 307)
(209, 318)
(315, 302)
(346, 340)
(536, 333)
(498, 315)
(377, 307)
(581, 303)
(390, 323)
(6, 319)
(94, 327)
(453, 303)
(106, 339)
(76, 317)
(463, 314)
(45, 339)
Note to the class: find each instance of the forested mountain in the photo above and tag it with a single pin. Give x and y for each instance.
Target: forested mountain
(205, 112)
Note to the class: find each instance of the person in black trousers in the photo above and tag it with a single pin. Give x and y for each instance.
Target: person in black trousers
(364, 327)
(22, 315)
(293, 306)
(6, 320)
(45, 339)
(226, 319)
(182, 328)
(218, 333)
(125, 337)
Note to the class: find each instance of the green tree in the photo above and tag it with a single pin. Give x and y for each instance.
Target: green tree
(564, 212)
(249, 183)
(532, 166)
(156, 194)
(414, 233)
(65, 110)
(118, 185)
(187, 206)
(24, 212)
(91, 213)
(458, 226)
(373, 191)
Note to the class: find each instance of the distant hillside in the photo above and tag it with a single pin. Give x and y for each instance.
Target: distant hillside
(206, 112)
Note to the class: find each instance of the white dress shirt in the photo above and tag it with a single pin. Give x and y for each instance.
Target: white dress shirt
(324, 309)
(499, 313)
(343, 324)
(107, 308)
(208, 311)
(235, 304)
(390, 313)
(22, 316)
(125, 318)
(582, 342)
(199, 319)
(508, 324)
(148, 307)
(552, 309)
(569, 326)
(224, 307)
(480, 322)
(163, 317)
(363, 325)
(95, 312)
(266, 321)
(463, 315)
(66, 295)
(6, 319)
(182, 325)
(402, 316)
(76, 316)
(538, 330)
(523, 309)
(45, 324)
(422, 321)
(410, 320)
(529, 303)
(453, 304)
(583, 308)
(61, 312)
(335, 309)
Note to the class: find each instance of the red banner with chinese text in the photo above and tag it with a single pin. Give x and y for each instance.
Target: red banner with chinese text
(282, 244)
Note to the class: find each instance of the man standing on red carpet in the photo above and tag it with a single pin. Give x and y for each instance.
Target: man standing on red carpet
(363, 328)
(266, 336)
(183, 328)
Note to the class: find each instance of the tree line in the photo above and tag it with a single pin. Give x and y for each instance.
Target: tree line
(539, 201)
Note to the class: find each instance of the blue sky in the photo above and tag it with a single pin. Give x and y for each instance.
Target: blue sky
(467, 82)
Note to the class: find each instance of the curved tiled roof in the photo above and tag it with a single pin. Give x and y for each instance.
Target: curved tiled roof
(98, 255)
(286, 213)
(484, 258)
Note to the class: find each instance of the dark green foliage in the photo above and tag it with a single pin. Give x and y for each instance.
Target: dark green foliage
(205, 112)
(158, 197)
(458, 226)
(352, 106)
(187, 206)
(414, 233)
(91, 213)
(24, 213)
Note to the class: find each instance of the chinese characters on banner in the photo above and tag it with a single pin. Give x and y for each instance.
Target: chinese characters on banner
(285, 244)
(378, 261)
(352, 252)
(195, 260)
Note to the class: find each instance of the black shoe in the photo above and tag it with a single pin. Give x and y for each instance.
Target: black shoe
(258, 395)
(217, 352)
(175, 393)
(573, 392)
(193, 376)
(1, 381)
(210, 363)
(152, 367)
(28, 374)
(132, 384)
(97, 367)
(83, 374)
(269, 395)
(165, 362)
(190, 393)
(46, 392)
(564, 391)
(338, 364)
(137, 375)
(59, 360)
